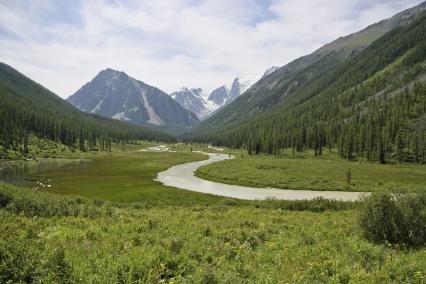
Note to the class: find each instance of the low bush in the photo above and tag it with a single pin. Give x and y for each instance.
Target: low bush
(44, 204)
(315, 205)
(394, 218)
(25, 260)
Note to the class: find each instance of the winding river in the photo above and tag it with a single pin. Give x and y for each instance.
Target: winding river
(182, 177)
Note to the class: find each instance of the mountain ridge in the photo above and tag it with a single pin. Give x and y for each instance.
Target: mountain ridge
(276, 86)
(116, 95)
(369, 105)
(204, 106)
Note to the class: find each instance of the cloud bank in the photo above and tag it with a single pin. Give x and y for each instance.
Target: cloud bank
(171, 44)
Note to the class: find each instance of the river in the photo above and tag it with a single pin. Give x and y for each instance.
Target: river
(182, 177)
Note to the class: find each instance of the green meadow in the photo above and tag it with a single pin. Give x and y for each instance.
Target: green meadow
(326, 172)
(128, 177)
(49, 238)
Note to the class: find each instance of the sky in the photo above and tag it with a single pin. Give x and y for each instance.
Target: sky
(173, 43)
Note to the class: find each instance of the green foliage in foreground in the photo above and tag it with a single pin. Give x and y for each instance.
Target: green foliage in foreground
(222, 243)
(395, 218)
(305, 171)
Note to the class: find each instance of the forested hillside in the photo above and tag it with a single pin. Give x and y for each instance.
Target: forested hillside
(372, 104)
(287, 80)
(28, 108)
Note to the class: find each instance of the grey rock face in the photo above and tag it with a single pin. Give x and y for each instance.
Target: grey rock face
(191, 99)
(116, 95)
(219, 95)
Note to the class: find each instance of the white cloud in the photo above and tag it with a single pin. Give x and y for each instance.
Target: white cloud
(171, 44)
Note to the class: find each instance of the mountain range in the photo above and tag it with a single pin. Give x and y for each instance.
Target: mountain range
(116, 95)
(204, 106)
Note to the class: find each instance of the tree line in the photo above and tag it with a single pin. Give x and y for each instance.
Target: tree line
(372, 105)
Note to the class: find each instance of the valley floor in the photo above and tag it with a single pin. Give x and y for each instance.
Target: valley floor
(128, 228)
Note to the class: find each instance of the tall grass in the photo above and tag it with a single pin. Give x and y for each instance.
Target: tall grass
(318, 204)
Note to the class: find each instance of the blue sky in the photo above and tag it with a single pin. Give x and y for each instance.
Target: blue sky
(173, 43)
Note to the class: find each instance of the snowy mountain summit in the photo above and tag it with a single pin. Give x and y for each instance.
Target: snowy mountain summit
(192, 100)
(204, 106)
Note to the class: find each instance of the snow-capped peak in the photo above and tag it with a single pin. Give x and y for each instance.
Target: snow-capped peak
(203, 106)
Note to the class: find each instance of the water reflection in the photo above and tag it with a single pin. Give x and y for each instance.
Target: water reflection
(24, 173)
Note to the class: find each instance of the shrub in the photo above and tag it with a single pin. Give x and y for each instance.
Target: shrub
(59, 269)
(44, 204)
(208, 276)
(318, 204)
(394, 218)
(5, 198)
(31, 261)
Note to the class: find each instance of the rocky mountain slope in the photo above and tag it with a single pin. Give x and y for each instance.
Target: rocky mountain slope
(278, 84)
(116, 95)
(194, 101)
(204, 106)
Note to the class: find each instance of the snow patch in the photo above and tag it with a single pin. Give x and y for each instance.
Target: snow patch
(134, 109)
(120, 116)
(209, 108)
(97, 107)
(153, 117)
(160, 148)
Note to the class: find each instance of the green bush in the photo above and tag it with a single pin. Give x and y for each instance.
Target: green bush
(32, 203)
(24, 260)
(318, 204)
(394, 218)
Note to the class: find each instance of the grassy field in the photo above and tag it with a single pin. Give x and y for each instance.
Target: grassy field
(54, 238)
(304, 171)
